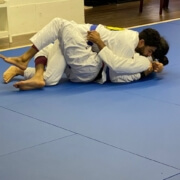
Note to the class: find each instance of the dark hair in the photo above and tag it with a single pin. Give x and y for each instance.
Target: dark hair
(150, 36)
(161, 51)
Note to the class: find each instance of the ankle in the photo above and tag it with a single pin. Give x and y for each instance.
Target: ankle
(20, 71)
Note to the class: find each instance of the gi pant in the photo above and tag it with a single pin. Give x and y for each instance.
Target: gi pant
(70, 52)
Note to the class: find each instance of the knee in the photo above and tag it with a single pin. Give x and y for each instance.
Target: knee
(57, 20)
(50, 82)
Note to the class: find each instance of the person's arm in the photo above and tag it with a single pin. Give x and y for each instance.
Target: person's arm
(94, 37)
(125, 69)
(157, 66)
(124, 78)
(118, 63)
(121, 64)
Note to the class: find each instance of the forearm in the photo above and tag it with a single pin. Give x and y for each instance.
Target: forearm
(121, 64)
(124, 78)
(94, 36)
(100, 44)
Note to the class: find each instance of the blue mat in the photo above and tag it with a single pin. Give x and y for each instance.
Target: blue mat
(91, 131)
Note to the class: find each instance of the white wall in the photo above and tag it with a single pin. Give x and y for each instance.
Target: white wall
(29, 16)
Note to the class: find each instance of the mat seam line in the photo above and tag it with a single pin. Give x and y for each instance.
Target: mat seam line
(82, 135)
(36, 145)
(172, 176)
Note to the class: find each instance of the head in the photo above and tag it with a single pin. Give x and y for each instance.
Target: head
(161, 52)
(149, 40)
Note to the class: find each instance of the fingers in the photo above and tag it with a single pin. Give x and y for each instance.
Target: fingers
(93, 36)
(92, 33)
(157, 67)
(150, 69)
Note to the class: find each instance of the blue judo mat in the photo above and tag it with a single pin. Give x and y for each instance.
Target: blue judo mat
(92, 132)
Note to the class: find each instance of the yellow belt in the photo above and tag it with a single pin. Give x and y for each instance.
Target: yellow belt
(114, 28)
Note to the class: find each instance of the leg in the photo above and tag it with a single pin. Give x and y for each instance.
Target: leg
(34, 76)
(84, 64)
(49, 33)
(41, 77)
(161, 6)
(56, 65)
(21, 61)
(166, 4)
(29, 72)
(141, 6)
(11, 72)
(36, 82)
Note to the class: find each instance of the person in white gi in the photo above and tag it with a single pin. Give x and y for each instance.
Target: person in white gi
(117, 49)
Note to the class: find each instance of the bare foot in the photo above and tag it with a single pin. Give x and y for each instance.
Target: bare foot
(11, 72)
(30, 84)
(17, 61)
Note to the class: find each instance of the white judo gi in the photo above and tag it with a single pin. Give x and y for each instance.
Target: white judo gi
(83, 65)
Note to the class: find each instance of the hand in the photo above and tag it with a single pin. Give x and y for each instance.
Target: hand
(149, 70)
(94, 37)
(157, 66)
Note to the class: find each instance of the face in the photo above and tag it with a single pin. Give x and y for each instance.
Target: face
(144, 50)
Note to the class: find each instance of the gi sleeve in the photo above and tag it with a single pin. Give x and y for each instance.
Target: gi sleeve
(136, 64)
(124, 78)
